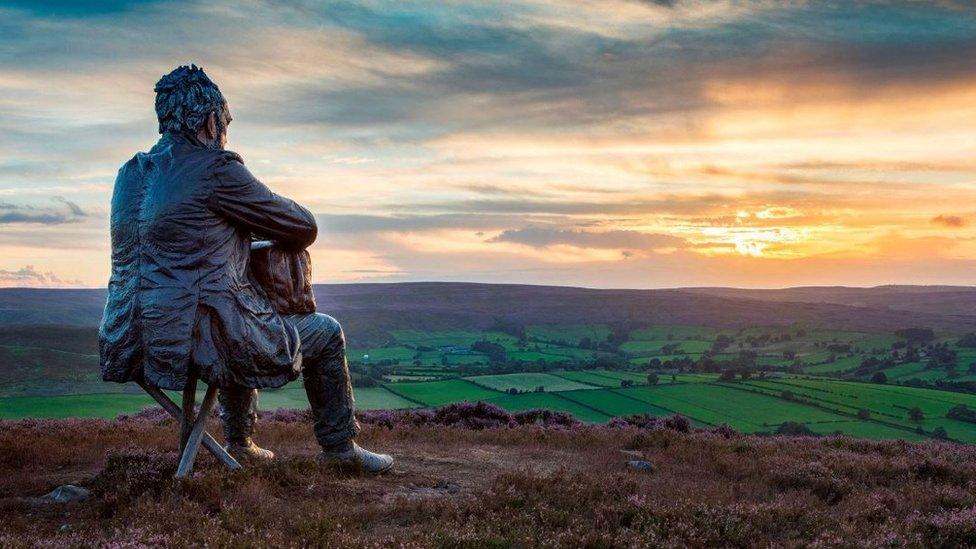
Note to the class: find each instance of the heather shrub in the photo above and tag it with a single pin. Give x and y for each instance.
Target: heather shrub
(952, 528)
(815, 477)
(472, 486)
(725, 431)
(677, 423)
(133, 473)
(477, 415)
(547, 418)
(153, 415)
(288, 415)
(468, 415)
(644, 440)
(794, 429)
(938, 469)
(481, 415)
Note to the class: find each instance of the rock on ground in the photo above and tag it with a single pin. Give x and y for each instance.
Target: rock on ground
(67, 493)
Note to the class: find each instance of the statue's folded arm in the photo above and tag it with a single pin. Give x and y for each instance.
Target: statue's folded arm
(285, 275)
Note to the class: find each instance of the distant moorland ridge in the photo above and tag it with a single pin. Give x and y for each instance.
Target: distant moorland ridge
(369, 310)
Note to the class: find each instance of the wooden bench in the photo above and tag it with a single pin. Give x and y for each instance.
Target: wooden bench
(193, 427)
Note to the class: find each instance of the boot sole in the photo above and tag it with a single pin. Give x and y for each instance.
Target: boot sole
(353, 466)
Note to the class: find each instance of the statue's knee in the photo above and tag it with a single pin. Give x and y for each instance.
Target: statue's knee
(332, 331)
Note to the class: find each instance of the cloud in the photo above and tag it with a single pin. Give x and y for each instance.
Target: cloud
(953, 221)
(636, 205)
(597, 125)
(542, 237)
(68, 212)
(29, 277)
(361, 223)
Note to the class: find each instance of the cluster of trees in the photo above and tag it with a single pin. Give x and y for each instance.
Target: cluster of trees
(764, 339)
(943, 384)
(967, 341)
(515, 390)
(681, 364)
(721, 343)
(795, 429)
(962, 413)
(915, 414)
(511, 327)
(743, 373)
(941, 356)
(590, 345)
(915, 336)
(495, 351)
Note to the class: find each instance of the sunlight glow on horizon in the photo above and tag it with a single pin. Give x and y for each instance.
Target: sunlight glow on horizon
(709, 143)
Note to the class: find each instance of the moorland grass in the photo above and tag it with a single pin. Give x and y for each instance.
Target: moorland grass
(504, 487)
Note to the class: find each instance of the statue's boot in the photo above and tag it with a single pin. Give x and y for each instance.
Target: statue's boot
(238, 413)
(356, 457)
(247, 451)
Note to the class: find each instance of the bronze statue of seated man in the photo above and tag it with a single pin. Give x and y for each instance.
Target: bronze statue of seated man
(184, 299)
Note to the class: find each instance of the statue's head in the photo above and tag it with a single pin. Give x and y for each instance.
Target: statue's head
(188, 102)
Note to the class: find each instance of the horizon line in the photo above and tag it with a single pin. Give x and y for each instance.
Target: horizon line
(662, 288)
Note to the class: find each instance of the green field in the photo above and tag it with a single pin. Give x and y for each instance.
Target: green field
(107, 405)
(838, 365)
(367, 398)
(550, 355)
(863, 429)
(110, 405)
(438, 393)
(888, 404)
(448, 337)
(581, 370)
(715, 404)
(655, 347)
(527, 382)
(597, 378)
(570, 334)
(614, 404)
(673, 333)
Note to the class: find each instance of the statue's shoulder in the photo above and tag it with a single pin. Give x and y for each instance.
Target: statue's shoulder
(131, 165)
(231, 156)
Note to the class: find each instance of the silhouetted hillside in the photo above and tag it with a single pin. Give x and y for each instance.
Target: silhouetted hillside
(942, 300)
(369, 311)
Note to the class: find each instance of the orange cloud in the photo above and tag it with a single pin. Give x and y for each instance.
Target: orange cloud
(953, 221)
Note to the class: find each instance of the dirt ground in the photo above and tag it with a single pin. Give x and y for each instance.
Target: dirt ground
(457, 487)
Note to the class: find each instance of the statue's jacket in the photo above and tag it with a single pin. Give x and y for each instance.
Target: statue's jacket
(181, 294)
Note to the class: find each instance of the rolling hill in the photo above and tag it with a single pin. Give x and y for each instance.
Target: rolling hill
(369, 311)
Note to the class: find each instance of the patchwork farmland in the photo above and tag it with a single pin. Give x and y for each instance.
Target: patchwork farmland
(798, 377)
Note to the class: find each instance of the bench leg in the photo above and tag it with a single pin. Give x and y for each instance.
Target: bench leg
(189, 396)
(196, 433)
(209, 442)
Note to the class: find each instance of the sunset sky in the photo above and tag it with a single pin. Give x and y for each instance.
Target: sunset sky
(604, 143)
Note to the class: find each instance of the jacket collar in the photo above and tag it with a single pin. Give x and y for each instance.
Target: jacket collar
(181, 138)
